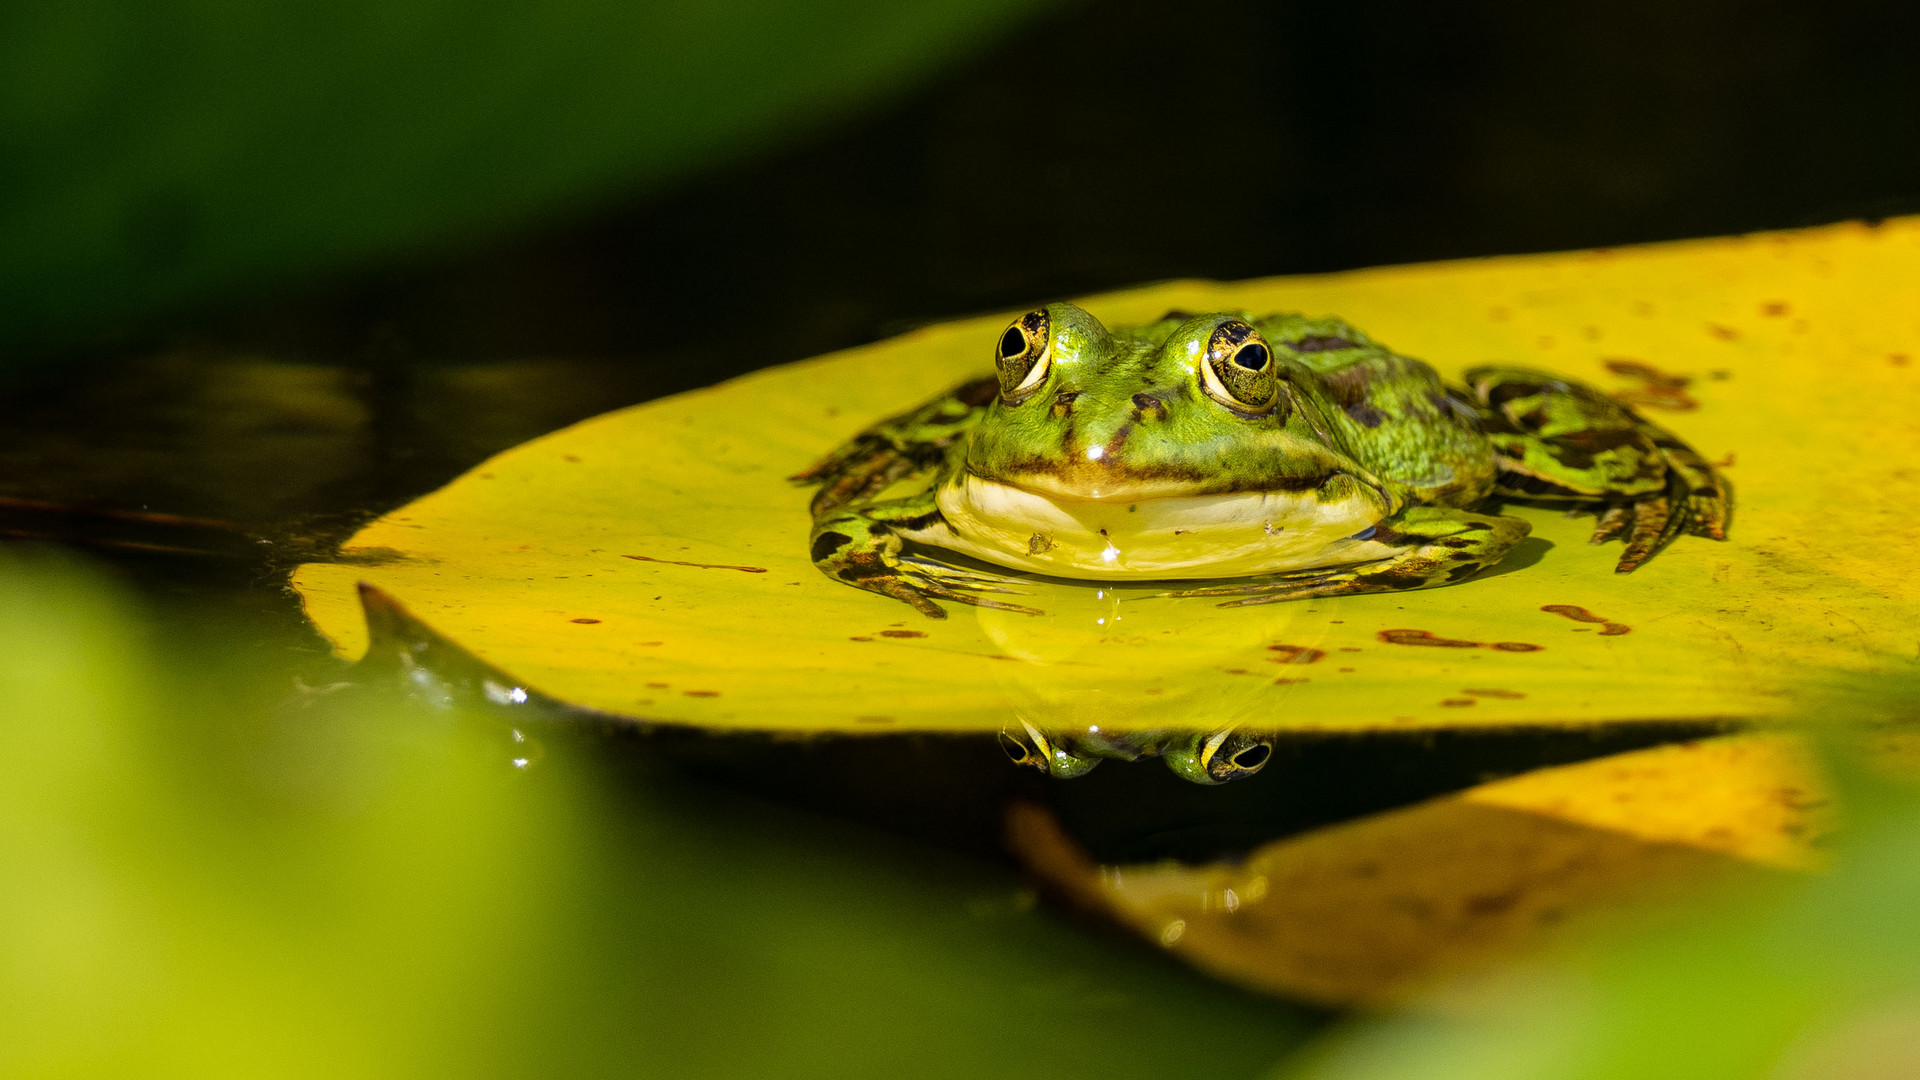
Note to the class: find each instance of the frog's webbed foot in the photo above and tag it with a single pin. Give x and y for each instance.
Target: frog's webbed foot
(1419, 548)
(866, 554)
(1561, 442)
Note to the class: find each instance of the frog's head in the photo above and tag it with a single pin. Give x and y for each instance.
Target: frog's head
(1220, 756)
(1165, 409)
(1029, 746)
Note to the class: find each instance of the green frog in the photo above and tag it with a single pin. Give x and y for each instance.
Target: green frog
(1255, 459)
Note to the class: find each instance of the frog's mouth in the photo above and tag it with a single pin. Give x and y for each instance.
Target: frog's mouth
(1180, 534)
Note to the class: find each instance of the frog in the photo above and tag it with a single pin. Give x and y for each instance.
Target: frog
(1208, 758)
(1251, 459)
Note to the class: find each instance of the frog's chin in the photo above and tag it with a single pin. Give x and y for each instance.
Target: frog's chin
(1183, 536)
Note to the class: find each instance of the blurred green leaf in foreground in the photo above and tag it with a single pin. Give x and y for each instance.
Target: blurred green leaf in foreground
(159, 151)
(1814, 980)
(189, 890)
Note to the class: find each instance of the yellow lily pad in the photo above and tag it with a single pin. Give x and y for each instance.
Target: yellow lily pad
(652, 562)
(1367, 911)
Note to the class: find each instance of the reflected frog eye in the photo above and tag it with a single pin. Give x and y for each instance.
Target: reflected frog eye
(1238, 369)
(1023, 356)
(1222, 756)
(1021, 752)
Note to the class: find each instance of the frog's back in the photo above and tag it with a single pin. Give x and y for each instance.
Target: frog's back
(1391, 413)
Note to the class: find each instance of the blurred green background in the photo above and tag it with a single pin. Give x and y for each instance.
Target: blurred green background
(269, 270)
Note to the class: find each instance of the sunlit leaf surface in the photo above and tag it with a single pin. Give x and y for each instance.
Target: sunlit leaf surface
(1365, 911)
(652, 562)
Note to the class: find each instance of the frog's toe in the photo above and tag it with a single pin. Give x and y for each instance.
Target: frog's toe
(1612, 522)
(956, 587)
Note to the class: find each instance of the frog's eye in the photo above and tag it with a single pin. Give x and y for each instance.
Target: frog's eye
(1222, 756)
(1239, 370)
(1023, 356)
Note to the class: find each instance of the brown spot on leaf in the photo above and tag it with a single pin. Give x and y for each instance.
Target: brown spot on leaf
(903, 633)
(873, 719)
(1580, 614)
(1516, 646)
(1774, 308)
(1425, 637)
(584, 621)
(1458, 702)
(1507, 695)
(1293, 654)
(1898, 359)
(712, 566)
(1723, 333)
(701, 693)
(1658, 389)
(859, 639)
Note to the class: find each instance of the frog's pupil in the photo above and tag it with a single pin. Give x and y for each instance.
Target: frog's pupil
(1253, 357)
(1012, 343)
(1251, 757)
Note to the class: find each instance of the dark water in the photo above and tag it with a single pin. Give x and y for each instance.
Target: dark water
(1114, 144)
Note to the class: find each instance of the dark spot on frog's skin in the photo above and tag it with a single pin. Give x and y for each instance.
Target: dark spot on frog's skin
(1349, 387)
(1063, 402)
(829, 542)
(915, 524)
(1528, 484)
(1508, 391)
(1320, 343)
(1039, 543)
(903, 633)
(1366, 415)
(1148, 407)
(583, 621)
(1455, 542)
(1408, 578)
(1459, 574)
(1294, 654)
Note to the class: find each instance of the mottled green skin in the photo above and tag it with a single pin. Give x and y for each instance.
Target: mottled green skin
(1350, 424)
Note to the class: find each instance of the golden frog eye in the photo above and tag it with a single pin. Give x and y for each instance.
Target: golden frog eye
(1023, 356)
(1239, 369)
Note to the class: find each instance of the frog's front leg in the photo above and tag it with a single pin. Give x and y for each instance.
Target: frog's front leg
(1417, 548)
(864, 548)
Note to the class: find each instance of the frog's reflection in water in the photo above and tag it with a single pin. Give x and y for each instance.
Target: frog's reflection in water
(1204, 757)
(1125, 673)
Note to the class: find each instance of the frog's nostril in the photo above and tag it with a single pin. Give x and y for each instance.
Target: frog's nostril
(1063, 402)
(1148, 407)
